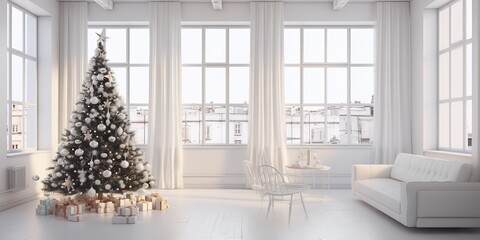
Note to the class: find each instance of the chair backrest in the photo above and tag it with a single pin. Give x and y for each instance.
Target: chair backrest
(271, 179)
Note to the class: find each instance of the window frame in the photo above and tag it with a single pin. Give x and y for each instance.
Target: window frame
(328, 65)
(224, 65)
(25, 103)
(464, 98)
(127, 65)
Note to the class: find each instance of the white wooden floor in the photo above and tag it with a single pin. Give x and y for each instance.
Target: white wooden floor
(229, 214)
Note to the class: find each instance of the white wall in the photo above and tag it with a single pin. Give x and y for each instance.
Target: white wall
(38, 161)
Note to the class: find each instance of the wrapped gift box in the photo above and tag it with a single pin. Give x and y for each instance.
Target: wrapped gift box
(160, 204)
(74, 218)
(44, 210)
(127, 211)
(75, 209)
(144, 206)
(124, 219)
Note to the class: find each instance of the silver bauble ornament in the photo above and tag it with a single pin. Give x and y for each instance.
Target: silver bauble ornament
(91, 192)
(90, 177)
(108, 187)
(101, 127)
(103, 155)
(35, 178)
(97, 161)
(79, 152)
(107, 173)
(113, 126)
(100, 77)
(88, 120)
(152, 183)
(111, 139)
(94, 100)
(139, 167)
(58, 174)
(145, 185)
(122, 116)
(109, 161)
(124, 164)
(64, 152)
(97, 182)
(119, 131)
(78, 124)
(93, 144)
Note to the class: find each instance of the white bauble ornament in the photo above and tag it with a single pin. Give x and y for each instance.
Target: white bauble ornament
(122, 185)
(71, 165)
(101, 127)
(64, 152)
(122, 145)
(108, 187)
(114, 109)
(113, 126)
(79, 152)
(139, 167)
(108, 121)
(35, 178)
(87, 101)
(124, 164)
(88, 120)
(151, 183)
(100, 77)
(81, 97)
(58, 174)
(122, 116)
(103, 155)
(148, 167)
(94, 100)
(79, 107)
(107, 173)
(109, 161)
(145, 185)
(91, 192)
(54, 185)
(97, 182)
(90, 177)
(93, 144)
(103, 70)
(97, 161)
(111, 139)
(108, 84)
(78, 124)
(119, 131)
(73, 131)
(82, 180)
(119, 156)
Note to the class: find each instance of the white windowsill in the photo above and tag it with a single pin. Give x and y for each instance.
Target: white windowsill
(26, 153)
(465, 157)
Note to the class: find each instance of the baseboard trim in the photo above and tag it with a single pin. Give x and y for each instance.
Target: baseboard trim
(19, 202)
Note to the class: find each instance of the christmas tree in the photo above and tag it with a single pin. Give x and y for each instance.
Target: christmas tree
(98, 153)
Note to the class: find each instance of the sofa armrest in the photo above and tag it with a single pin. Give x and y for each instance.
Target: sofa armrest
(440, 200)
(368, 171)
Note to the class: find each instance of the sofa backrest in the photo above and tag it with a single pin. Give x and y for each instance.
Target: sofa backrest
(416, 168)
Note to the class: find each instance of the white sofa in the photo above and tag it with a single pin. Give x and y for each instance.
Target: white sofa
(420, 191)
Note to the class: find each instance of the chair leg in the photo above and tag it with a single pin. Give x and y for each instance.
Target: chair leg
(290, 209)
(269, 205)
(273, 205)
(303, 204)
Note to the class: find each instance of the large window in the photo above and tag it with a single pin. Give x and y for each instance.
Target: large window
(215, 83)
(455, 76)
(329, 78)
(21, 79)
(128, 54)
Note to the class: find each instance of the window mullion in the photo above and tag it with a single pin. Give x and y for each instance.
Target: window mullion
(349, 114)
(227, 86)
(302, 110)
(203, 87)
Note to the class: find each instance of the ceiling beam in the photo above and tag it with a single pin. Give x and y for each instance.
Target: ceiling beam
(217, 5)
(105, 4)
(339, 4)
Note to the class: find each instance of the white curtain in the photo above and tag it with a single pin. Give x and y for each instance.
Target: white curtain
(73, 57)
(165, 135)
(392, 84)
(266, 137)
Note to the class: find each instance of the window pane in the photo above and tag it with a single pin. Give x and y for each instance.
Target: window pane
(292, 45)
(192, 85)
(116, 45)
(31, 126)
(336, 125)
(214, 85)
(361, 125)
(139, 85)
(191, 45)
(292, 120)
(31, 81)
(120, 74)
(468, 69)
(139, 45)
(444, 76)
(17, 29)
(292, 85)
(469, 126)
(457, 73)
(457, 124)
(314, 124)
(215, 45)
(313, 85)
(139, 122)
(336, 45)
(215, 124)
(468, 25)
(17, 127)
(192, 124)
(239, 45)
(17, 78)
(8, 33)
(313, 45)
(361, 84)
(444, 28)
(361, 41)
(456, 21)
(31, 35)
(238, 124)
(239, 82)
(92, 41)
(444, 125)
(336, 85)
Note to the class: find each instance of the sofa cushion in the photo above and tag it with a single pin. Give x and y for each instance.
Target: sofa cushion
(416, 168)
(385, 191)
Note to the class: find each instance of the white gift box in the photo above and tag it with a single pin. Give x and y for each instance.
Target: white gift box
(74, 218)
(144, 206)
(160, 204)
(42, 210)
(127, 211)
(124, 219)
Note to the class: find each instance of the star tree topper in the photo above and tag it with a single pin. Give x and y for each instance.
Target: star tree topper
(102, 37)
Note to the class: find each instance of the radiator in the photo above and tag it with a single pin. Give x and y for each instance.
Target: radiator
(16, 178)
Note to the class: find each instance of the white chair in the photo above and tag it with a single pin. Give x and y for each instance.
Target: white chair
(274, 184)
